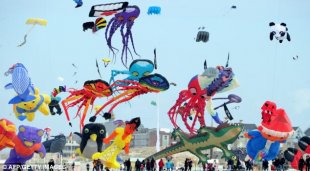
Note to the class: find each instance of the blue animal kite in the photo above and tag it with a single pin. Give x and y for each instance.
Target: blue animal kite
(21, 83)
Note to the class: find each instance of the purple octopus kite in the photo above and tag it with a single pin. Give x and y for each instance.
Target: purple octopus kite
(120, 20)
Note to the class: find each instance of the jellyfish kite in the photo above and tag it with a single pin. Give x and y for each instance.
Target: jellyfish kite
(123, 20)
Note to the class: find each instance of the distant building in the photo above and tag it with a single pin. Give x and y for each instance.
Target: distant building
(293, 140)
(70, 147)
(242, 141)
(146, 137)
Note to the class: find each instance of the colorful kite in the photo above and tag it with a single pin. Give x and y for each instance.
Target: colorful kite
(55, 100)
(279, 31)
(207, 138)
(90, 139)
(33, 22)
(107, 9)
(121, 141)
(21, 83)
(154, 10)
(275, 128)
(293, 154)
(26, 143)
(137, 69)
(128, 89)
(7, 133)
(85, 97)
(100, 23)
(79, 3)
(26, 110)
(106, 61)
(192, 102)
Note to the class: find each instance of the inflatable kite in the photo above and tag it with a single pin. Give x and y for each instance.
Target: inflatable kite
(275, 128)
(106, 61)
(137, 69)
(293, 154)
(79, 3)
(27, 142)
(26, 110)
(100, 23)
(7, 133)
(202, 36)
(279, 31)
(55, 145)
(107, 9)
(21, 83)
(55, 100)
(33, 22)
(121, 141)
(90, 139)
(128, 89)
(207, 138)
(85, 97)
(192, 102)
(154, 10)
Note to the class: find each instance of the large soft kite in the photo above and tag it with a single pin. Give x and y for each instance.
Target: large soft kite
(26, 110)
(202, 36)
(207, 138)
(128, 89)
(55, 100)
(107, 9)
(192, 102)
(121, 141)
(90, 140)
(7, 133)
(55, 145)
(26, 143)
(275, 128)
(100, 23)
(21, 83)
(154, 10)
(137, 69)
(279, 31)
(85, 97)
(293, 154)
(33, 22)
(123, 20)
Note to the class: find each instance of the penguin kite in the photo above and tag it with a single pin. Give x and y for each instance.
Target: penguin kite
(90, 139)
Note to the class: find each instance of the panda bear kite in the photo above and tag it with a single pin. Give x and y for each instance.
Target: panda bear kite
(279, 31)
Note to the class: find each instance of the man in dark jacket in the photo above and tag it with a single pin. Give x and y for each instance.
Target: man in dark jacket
(138, 165)
(153, 164)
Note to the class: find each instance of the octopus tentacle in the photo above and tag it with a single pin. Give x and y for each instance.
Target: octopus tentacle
(132, 43)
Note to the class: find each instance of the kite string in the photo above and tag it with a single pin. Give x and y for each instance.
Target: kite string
(31, 28)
